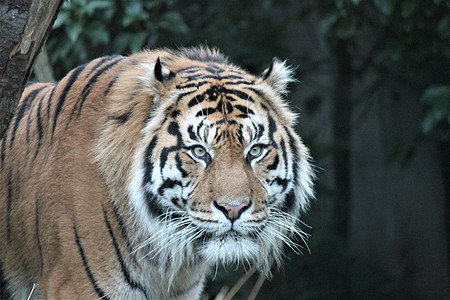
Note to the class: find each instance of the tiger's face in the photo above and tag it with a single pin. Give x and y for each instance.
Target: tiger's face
(220, 170)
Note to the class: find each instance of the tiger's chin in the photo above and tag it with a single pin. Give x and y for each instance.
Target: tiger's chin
(235, 249)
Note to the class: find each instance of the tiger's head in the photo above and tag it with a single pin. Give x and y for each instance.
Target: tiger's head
(218, 171)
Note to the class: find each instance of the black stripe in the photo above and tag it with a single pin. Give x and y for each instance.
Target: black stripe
(123, 267)
(272, 129)
(168, 184)
(165, 153)
(36, 224)
(295, 154)
(242, 116)
(284, 153)
(8, 210)
(121, 119)
(283, 182)
(191, 85)
(196, 100)
(188, 70)
(29, 120)
(111, 83)
(73, 77)
(191, 133)
(205, 112)
(88, 87)
(289, 202)
(263, 106)
(148, 160)
(175, 202)
(39, 125)
(200, 126)
(123, 230)
(240, 94)
(97, 289)
(257, 92)
(240, 82)
(49, 103)
(244, 109)
(201, 76)
(21, 113)
(275, 163)
(212, 68)
(179, 165)
(4, 293)
(228, 106)
(101, 61)
(174, 114)
(180, 96)
(174, 130)
(259, 130)
(153, 205)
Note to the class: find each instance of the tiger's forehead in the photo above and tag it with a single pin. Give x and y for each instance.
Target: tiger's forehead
(219, 103)
(219, 92)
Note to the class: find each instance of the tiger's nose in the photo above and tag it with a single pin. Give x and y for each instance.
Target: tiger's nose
(233, 209)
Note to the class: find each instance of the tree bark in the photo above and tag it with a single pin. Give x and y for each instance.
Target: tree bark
(24, 28)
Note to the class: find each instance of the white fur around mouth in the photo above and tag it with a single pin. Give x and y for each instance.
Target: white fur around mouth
(230, 248)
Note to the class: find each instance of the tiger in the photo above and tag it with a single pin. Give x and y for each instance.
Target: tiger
(133, 176)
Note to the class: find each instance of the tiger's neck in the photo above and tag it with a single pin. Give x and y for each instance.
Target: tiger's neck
(161, 268)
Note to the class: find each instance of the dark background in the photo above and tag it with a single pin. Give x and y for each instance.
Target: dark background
(374, 103)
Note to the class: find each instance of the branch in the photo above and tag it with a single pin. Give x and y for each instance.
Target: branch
(24, 28)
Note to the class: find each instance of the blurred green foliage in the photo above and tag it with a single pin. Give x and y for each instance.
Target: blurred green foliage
(86, 29)
(437, 117)
(405, 43)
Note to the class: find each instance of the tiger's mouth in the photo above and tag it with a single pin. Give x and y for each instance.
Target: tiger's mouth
(231, 236)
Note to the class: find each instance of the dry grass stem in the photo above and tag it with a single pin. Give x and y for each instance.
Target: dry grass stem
(32, 291)
(239, 284)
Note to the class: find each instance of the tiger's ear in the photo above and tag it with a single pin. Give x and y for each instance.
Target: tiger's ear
(278, 76)
(161, 73)
(157, 78)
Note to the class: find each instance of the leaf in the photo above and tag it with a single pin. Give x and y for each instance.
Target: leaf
(98, 34)
(438, 96)
(385, 6)
(328, 22)
(121, 42)
(444, 27)
(408, 8)
(62, 19)
(347, 27)
(173, 21)
(95, 5)
(133, 12)
(137, 40)
(438, 116)
(74, 30)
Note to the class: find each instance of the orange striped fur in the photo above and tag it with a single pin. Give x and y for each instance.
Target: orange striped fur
(131, 176)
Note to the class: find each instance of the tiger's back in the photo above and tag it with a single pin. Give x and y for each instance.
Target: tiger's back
(42, 170)
(80, 196)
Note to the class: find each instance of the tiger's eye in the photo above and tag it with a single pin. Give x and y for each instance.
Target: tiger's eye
(255, 151)
(199, 151)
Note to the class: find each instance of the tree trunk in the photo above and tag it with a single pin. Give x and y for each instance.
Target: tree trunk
(24, 28)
